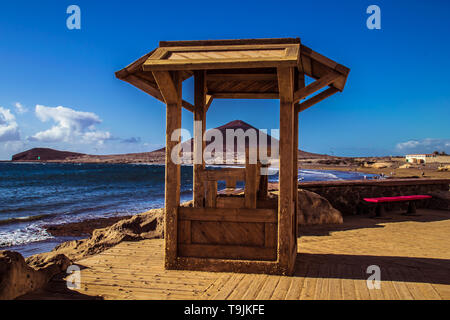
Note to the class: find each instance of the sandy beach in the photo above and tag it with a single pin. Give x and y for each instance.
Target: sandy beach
(331, 264)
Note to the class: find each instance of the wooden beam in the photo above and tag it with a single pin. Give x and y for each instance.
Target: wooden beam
(211, 194)
(208, 64)
(237, 252)
(146, 86)
(317, 98)
(286, 234)
(199, 131)
(188, 106)
(237, 174)
(172, 179)
(228, 214)
(251, 175)
(166, 86)
(316, 86)
(242, 77)
(189, 43)
(244, 95)
(209, 100)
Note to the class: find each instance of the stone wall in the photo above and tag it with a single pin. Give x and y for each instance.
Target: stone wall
(347, 196)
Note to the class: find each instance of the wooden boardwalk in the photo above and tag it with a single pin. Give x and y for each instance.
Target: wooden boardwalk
(413, 254)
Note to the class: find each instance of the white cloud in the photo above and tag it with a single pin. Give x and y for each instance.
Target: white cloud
(9, 130)
(70, 126)
(20, 108)
(427, 145)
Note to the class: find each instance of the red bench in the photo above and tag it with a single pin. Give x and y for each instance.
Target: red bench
(411, 206)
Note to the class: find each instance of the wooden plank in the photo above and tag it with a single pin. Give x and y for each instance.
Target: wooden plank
(244, 95)
(230, 183)
(270, 235)
(243, 286)
(224, 174)
(208, 64)
(167, 87)
(226, 290)
(242, 77)
(228, 214)
(230, 202)
(199, 144)
(227, 252)
(282, 288)
(172, 179)
(297, 284)
(300, 84)
(211, 194)
(317, 98)
(228, 233)
(285, 199)
(184, 231)
(268, 288)
(216, 286)
(209, 100)
(256, 287)
(250, 181)
(227, 42)
(316, 85)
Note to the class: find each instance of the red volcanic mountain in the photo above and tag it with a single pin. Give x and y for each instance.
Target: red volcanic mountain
(239, 124)
(157, 156)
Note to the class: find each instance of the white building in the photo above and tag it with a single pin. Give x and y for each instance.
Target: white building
(427, 158)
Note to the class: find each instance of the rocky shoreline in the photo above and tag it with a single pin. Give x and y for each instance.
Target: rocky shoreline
(83, 228)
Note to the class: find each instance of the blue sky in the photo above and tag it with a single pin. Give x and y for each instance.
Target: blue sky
(397, 98)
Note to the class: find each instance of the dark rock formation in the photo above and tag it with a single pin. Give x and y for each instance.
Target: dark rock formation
(314, 209)
(148, 225)
(18, 278)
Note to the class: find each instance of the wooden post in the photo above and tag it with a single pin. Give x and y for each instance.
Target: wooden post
(286, 234)
(199, 131)
(171, 90)
(251, 172)
(300, 84)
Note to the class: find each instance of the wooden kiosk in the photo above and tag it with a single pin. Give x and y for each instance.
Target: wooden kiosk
(250, 233)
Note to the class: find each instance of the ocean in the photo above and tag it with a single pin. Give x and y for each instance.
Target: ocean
(36, 194)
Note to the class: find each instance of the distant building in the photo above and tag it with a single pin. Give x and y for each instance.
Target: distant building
(427, 158)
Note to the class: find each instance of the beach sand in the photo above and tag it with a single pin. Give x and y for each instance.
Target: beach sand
(413, 254)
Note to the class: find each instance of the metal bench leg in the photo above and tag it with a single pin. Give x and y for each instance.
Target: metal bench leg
(380, 211)
(411, 209)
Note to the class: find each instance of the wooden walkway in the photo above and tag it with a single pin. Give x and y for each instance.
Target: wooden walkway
(413, 254)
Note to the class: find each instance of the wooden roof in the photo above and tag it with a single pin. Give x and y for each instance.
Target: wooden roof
(244, 68)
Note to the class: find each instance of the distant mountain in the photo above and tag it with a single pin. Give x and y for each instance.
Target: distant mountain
(45, 154)
(157, 156)
(239, 124)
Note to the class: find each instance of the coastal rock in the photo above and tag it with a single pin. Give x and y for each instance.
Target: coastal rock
(147, 225)
(18, 278)
(379, 165)
(315, 209)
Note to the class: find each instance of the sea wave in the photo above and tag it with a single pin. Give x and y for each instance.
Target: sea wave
(31, 233)
(24, 219)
